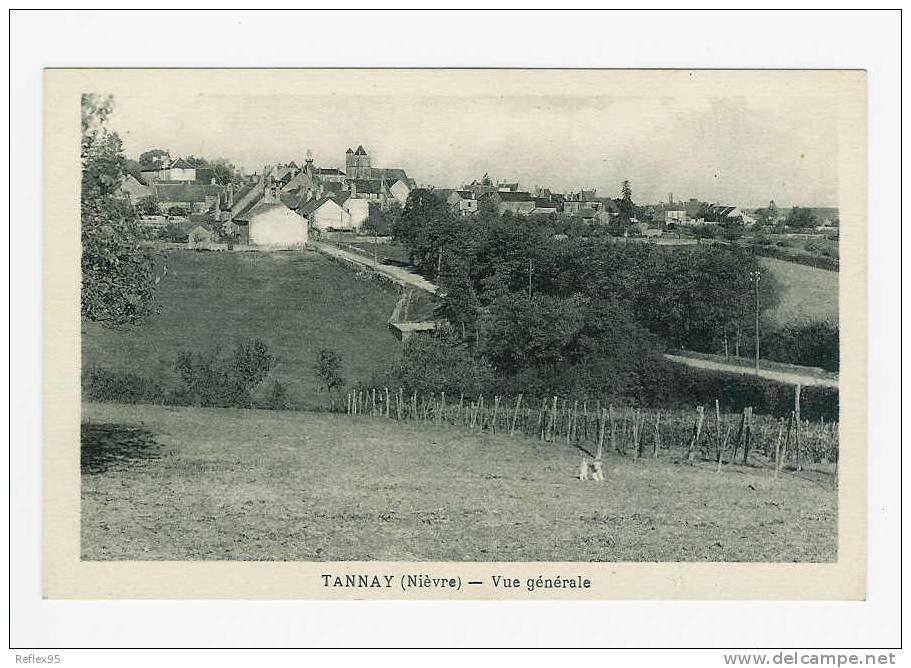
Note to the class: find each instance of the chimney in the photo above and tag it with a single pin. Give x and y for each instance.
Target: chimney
(353, 186)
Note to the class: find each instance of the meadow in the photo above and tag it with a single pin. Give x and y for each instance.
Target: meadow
(807, 293)
(295, 302)
(167, 483)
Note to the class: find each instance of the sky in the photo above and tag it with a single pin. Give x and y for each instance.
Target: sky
(736, 150)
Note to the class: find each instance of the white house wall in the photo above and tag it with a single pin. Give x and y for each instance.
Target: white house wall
(400, 192)
(358, 211)
(331, 215)
(278, 228)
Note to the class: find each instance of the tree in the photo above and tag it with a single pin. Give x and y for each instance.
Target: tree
(460, 304)
(222, 172)
(801, 217)
(148, 206)
(153, 157)
(118, 278)
(626, 206)
(329, 368)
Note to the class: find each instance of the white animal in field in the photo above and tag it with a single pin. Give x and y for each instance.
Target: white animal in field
(598, 470)
(583, 469)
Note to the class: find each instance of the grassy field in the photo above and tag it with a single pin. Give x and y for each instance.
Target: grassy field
(807, 293)
(183, 483)
(296, 302)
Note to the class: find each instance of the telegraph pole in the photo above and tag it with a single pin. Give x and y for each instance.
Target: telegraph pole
(755, 277)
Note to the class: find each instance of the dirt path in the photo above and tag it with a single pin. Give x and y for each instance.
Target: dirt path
(789, 378)
(400, 275)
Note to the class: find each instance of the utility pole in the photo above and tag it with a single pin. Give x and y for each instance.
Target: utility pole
(755, 277)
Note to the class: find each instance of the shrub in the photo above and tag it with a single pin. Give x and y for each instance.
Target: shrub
(680, 386)
(122, 387)
(208, 380)
(433, 364)
(813, 344)
(148, 206)
(276, 398)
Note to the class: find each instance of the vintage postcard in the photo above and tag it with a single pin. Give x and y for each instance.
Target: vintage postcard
(460, 334)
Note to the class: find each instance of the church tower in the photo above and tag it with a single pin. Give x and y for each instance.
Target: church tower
(360, 164)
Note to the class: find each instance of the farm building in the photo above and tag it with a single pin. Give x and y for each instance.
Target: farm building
(326, 214)
(400, 191)
(134, 188)
(187, 196)
(170, 170)
(519, 203)
(271, 225)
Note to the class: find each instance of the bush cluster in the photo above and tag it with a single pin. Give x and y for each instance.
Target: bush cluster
(814, 344)
(205, 379)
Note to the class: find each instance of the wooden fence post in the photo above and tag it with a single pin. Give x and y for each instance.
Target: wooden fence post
(657, 445)
(585, 420)
(571, 427)
(697, 432)
(515, 416)
(748, 419)
(778, 449)
(724, 446)
(787, 441)
(496, 409)
(550, 424)
(541, 424)
(602, 420)
(717, 430)
(387, 401)
(797, 426)
(737, 440)
(613, 430)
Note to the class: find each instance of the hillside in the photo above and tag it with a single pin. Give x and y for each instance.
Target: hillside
(296, 302)
(192, 483)
(807, 293)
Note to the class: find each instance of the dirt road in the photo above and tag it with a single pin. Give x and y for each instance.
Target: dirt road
(398, 274)
(788, 377)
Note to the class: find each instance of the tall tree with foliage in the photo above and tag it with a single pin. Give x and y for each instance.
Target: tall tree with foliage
(460, 304)
(802, 217)
(118, 274)
(153, 157)
(626, 206)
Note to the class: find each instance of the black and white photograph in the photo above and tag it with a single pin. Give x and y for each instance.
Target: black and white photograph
(350, 326)
(471, 328)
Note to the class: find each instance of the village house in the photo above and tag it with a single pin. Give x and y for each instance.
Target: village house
(518, 202)
(576, 202)
(170, 170)
(463, 202)
(270, 224)
(400, 191)
(135, 189)
(189, 197)
(544, 206)
(325, 214)
(675, 217)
